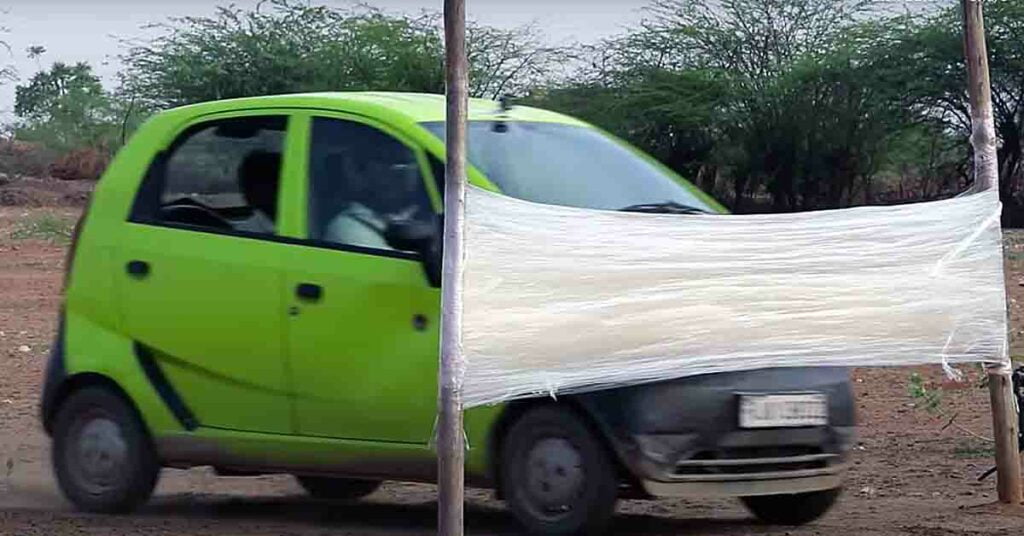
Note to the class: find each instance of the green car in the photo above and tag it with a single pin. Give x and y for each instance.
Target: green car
(254, 287)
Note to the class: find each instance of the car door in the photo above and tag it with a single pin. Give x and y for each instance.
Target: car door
(200, 273)
(363, 333)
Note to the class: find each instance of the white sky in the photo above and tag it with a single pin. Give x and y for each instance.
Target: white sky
(89, 30)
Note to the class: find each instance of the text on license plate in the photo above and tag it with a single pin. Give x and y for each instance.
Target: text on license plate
(777, 411)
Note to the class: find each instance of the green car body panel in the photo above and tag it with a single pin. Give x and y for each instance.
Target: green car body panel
(260, 380)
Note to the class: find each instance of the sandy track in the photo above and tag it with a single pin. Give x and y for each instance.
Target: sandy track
(909, 477)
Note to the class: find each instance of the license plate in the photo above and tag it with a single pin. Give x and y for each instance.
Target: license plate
(783, 411)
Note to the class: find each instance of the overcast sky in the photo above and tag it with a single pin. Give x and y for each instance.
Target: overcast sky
(89, 30)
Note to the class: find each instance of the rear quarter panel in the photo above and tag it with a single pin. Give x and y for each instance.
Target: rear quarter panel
(94, 338)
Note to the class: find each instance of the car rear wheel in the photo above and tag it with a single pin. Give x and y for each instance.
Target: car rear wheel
(556, 476)
(795, 509)
(337, 489)
(102, 455)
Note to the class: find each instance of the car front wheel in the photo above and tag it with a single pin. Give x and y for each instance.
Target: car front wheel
(795, 509)
(102, 455)
(556, 476)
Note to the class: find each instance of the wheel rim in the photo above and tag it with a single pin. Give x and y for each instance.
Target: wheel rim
(554, 478)
(97, 455)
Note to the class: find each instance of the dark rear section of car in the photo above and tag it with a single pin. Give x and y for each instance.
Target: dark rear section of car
(688, 430)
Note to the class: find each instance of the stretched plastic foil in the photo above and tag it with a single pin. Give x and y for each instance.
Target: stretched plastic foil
(559, 300)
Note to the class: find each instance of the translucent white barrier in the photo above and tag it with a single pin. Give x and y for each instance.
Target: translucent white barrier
(559, 300)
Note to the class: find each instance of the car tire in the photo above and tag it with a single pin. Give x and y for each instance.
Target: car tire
(795, 509)
(337, 489)
(556, 475)
(102, 455)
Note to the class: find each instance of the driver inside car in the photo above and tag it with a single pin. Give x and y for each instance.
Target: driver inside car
(377, 189)
(258, 178)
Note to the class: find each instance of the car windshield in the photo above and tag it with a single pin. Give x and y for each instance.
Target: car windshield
(569, 165)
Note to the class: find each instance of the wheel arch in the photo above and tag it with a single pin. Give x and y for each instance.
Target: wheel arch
(513, 411)
(82, 380)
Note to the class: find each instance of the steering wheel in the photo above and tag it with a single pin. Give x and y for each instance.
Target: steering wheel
(191, 212)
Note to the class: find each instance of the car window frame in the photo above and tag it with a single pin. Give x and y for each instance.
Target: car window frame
(151, 186)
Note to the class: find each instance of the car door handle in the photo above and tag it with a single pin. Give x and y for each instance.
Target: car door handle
(309, 292)
(137, 269)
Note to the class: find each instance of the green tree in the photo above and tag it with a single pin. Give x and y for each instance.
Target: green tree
(34, 52)
(509, 61)
(746, 96)
(755, 39)
(63, 107)
(922, 60)
(284, 47)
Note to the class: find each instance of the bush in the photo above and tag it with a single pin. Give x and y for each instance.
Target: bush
(46, 226)
(20, 159)
(86, 163)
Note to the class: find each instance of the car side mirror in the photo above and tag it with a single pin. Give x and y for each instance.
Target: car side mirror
(423, 237)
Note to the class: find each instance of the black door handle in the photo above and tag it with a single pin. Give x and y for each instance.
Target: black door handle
(309, 292)
(137, 269)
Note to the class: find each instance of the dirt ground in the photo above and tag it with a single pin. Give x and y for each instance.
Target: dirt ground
(911, 474)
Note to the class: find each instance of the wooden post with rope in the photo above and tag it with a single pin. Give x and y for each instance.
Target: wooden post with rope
(986, 175)
(450, 438)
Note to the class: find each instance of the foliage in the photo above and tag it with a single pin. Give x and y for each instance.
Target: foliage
(53, 92)
(44, 226)
(755, 39)
(65, 113)
(746, 96)
(777, 105)
(922, 60)
(286, 47)
(21, 159)
(509, 61)
(802, 104)
(930, 399)
(35, 51)
(63, 107)
(85, 163)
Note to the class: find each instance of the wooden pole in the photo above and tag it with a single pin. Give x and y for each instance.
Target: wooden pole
(986, 176)
(450, 439)
(1004, 427)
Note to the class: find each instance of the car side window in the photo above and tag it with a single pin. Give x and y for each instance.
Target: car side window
(222, 174)
(362, 181)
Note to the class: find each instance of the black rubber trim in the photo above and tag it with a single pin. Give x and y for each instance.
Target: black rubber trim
(163, 387)
(306, 242)
(56, 373)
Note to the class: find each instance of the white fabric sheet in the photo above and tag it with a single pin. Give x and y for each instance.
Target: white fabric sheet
(559, 300)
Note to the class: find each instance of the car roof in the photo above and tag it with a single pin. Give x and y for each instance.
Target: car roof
(416, 107)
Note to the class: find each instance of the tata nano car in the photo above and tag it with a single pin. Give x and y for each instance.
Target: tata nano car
(254, 287)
